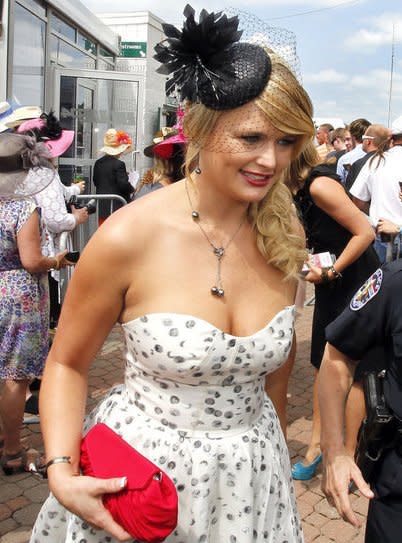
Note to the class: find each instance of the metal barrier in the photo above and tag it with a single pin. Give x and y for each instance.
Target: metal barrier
(79, 237)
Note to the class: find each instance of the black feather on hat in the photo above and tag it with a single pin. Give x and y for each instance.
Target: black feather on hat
(208, 63)
(51, 129)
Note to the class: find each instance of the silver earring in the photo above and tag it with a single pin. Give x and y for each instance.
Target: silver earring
(198, 170)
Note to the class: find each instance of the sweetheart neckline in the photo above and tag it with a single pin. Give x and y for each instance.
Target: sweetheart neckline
(200, 319)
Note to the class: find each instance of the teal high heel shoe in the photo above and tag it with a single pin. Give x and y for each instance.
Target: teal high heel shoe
(301, 472)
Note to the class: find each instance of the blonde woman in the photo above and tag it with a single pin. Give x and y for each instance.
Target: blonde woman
(163, 172)
(204, 281)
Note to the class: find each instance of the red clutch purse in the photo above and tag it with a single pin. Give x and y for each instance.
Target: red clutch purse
(147, 507)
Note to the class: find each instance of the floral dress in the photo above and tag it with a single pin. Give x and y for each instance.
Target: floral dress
(24, 300)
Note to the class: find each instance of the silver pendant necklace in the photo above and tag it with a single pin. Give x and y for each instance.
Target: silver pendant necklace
(219, 252)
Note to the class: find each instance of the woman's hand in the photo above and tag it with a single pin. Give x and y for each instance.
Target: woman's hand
(315, 275)
(61, 261)
(81, 186)
(83, 496)
(338, 472)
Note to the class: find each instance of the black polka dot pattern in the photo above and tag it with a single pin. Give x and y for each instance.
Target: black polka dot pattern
(194, 403)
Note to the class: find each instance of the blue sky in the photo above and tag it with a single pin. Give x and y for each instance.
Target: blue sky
(345, 47)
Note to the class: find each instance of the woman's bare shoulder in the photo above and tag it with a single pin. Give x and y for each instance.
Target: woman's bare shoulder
(327, 190)
(140, 221)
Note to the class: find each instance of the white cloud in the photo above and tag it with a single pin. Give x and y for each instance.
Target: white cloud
(361, 95)
(377, 81)
(377, 33)
(324, 77)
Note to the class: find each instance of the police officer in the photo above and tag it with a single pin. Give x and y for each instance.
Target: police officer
(374, 317)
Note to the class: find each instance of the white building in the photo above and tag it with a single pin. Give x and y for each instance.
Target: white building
(60, 56)
(139, 32)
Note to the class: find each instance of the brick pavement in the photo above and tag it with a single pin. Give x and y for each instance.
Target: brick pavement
(22, 495)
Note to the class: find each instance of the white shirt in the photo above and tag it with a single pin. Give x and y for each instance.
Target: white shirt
(348, 158)
(381, 186)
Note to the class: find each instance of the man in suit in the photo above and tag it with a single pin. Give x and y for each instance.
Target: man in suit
(110, 174)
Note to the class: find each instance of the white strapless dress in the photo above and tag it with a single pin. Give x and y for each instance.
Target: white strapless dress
(194, 403)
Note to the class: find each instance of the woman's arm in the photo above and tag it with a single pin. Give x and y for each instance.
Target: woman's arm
(331, 197)
(94, 301)
(334, 382)
(28, 242)
(53, 208)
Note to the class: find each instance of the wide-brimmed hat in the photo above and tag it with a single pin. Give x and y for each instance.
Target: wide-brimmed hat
(21, 114)
(5, 110)
(18, 155)
(396, 127)
(164, 142)
(167, 147)
(116, 142)
(48, 130)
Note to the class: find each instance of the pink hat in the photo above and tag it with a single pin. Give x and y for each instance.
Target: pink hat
(56, 144)
(165, 148)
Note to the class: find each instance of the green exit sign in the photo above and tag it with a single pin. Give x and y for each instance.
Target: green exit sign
(133, 49)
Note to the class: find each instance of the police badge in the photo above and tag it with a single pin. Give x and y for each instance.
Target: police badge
(367, 291)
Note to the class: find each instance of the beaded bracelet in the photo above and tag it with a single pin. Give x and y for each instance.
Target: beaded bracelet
(336, 274)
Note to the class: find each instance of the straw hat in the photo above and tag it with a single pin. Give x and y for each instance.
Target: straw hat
(22, 114)
(18, 155)
(116, 142)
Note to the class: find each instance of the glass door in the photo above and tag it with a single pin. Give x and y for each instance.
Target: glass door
(89, 102)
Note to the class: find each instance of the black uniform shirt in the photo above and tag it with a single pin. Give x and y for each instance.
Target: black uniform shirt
(374, 317)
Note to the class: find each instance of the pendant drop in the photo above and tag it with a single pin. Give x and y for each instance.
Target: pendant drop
(219, 251)
(218, 292)
(195, 215)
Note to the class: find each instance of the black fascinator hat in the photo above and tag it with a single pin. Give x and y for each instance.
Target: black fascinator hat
(209, 64)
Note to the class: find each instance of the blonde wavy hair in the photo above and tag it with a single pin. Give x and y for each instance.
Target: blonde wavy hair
(288, 108)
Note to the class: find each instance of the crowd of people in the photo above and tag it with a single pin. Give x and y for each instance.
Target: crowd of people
(245, 190)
